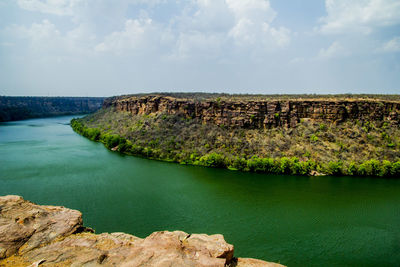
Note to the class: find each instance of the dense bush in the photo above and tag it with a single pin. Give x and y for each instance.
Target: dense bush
(213, 160)
(309, 149)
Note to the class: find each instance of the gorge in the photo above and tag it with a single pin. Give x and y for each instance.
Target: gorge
(289, 219)
(306, 135)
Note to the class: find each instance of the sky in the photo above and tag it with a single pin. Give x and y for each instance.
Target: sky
(105, 48)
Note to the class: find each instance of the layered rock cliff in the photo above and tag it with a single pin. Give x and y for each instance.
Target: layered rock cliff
(33, 235)
(18, 108)
(261, 113)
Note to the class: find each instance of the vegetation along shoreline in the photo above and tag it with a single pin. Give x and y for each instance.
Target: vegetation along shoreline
(299, 135)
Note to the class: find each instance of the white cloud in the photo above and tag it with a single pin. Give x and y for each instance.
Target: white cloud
(198, 44)
(257, 10)
(37, 32)
(209, 16)
(362, 16)
(334, 50)
(69, 7)
(138, 35)
(45, 37)
(56, 7)
(204, 27)
(253, 24)
(392, 45)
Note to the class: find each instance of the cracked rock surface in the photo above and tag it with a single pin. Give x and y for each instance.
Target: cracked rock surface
(34, 235)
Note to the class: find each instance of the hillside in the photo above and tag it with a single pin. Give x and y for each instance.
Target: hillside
(307, 135)
(19, 108)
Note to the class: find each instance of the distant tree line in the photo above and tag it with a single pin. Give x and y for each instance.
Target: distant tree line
(18, 108)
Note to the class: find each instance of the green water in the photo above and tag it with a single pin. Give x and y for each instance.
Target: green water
(298, 221)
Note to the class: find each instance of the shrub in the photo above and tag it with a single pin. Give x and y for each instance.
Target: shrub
(148, 152)
(313, 138)
(175, 138)
(213, 160)
(369, 167)
(306, 167)
(386, 168)
(136, 149)
(111, 140)
(93, 134)
(283, 165)
(257, 164)
(239, 163)
(334, 168)
(395, 170)
(352, 169)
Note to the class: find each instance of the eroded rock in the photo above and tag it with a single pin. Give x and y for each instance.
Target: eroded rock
(33, 235)
(261, 113)
(25, 226)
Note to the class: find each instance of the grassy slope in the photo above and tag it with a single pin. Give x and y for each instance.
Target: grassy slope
(332, 149)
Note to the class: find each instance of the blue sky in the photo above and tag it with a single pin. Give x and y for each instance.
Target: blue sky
(104, 48)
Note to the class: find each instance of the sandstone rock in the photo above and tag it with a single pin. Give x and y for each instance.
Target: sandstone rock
(33, 235)
(261, 113)
(25, 226)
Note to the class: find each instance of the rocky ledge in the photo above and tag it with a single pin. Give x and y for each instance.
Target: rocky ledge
(260, 113)
(33, 235)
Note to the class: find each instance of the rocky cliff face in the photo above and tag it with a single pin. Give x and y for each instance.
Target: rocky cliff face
(261, 113)
(33, 235)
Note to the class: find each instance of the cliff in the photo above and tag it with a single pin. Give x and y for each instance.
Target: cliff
(261, 113)
(33, 235)
(19, 108)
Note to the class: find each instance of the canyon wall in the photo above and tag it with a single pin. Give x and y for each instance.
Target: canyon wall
(261, 113)
(20, 108)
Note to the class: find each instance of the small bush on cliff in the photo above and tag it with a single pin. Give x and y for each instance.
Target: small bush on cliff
(213, 160)
(334, 168)
(239, 163)
(256, 164)
(110, 140)
(93, 134)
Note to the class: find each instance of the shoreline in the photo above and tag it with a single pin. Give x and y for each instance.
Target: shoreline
(370, 168)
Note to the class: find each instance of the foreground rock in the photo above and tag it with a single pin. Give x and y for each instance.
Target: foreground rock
(33, 235)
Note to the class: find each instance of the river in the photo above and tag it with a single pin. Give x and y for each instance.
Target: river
(297, 221)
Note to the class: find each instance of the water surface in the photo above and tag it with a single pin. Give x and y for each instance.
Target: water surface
(298, 221)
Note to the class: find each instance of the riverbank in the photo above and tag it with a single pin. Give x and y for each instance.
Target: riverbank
(280, 218)
(319, 140)
(33, 235)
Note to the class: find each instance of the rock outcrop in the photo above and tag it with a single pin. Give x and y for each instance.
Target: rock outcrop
(33, 235)
(260, 113)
